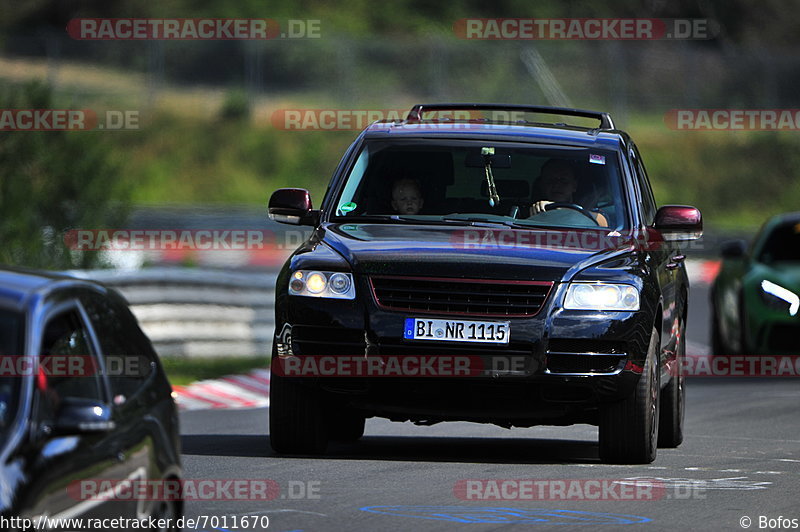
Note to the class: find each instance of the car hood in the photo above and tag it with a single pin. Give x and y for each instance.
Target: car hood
(467, 251)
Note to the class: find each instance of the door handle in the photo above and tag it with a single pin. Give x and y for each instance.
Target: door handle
(676, 261)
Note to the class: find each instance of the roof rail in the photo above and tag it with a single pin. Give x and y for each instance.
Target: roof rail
(416, 112)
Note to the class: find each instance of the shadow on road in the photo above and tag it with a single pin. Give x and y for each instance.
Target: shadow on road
(407, 448)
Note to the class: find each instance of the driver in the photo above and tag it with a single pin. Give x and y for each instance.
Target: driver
(558, 183)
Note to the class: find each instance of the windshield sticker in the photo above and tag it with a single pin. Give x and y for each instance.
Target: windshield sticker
(597, 159)
(347, 207)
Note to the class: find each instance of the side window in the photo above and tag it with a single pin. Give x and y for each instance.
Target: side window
(70, 367)
(127, 357)
(648, 201)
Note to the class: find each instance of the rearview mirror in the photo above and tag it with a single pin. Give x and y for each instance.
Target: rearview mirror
(82, 416)
(679, 222)
(292, 206)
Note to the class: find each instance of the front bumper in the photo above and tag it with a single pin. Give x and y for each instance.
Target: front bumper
(557, 368)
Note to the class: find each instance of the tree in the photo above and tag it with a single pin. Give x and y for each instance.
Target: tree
(51, 182)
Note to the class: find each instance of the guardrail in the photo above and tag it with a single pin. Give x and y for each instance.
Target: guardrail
(190, 312)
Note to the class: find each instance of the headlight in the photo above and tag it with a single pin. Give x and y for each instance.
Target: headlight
(601, 296)
(776, 296)
(322, 284)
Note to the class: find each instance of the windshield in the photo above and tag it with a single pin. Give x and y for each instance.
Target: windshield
(782, 245)
(11, 333)
(481, 181)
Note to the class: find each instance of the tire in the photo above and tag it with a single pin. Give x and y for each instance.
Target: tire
(166, 512)
(718, 345)
(673, 401)
(629, 428)
(297, 423)
(744, 348)
(346, 426)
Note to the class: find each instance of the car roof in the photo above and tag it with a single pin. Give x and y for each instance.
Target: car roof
(18, 285)
(415, 127)
(609, 139)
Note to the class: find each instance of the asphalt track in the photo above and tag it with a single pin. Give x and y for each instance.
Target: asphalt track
(739, 465)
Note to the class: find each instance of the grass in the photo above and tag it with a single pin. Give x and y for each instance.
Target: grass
(184, 371)
(186, 151)
(737, 179)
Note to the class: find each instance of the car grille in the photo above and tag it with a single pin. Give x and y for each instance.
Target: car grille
(561, 363)
(567, 355)
(569, 345)
(331, 341)
(475, 297)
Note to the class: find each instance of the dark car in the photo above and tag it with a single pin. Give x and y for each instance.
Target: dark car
(431, 241)
(755, 298)
(85, 407)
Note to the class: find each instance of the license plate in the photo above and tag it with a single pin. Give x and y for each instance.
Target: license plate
(491, 332)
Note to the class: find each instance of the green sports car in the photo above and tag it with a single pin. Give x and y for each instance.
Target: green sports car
(755, 299)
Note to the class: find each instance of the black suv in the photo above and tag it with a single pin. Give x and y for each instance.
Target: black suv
(469, 263)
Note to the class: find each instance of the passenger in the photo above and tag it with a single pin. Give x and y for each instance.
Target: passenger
(558, 183)
(407, 196)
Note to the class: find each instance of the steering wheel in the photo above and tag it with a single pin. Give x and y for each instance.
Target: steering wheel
(573, 206)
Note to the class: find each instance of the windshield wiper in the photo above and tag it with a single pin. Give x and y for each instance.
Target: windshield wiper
(476, 219)
(507, 223)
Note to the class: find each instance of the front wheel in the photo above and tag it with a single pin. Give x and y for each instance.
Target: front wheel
(673, 400)
(629, 428)
(718, 344)
(297, 423)
(165, 516)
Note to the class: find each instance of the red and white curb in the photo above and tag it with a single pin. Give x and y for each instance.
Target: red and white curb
(233, 391)
(702, 272)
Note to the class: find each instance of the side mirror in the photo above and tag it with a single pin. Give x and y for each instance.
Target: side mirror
(733, 249)
(292, 206)
(679, 222)
(82, 416)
